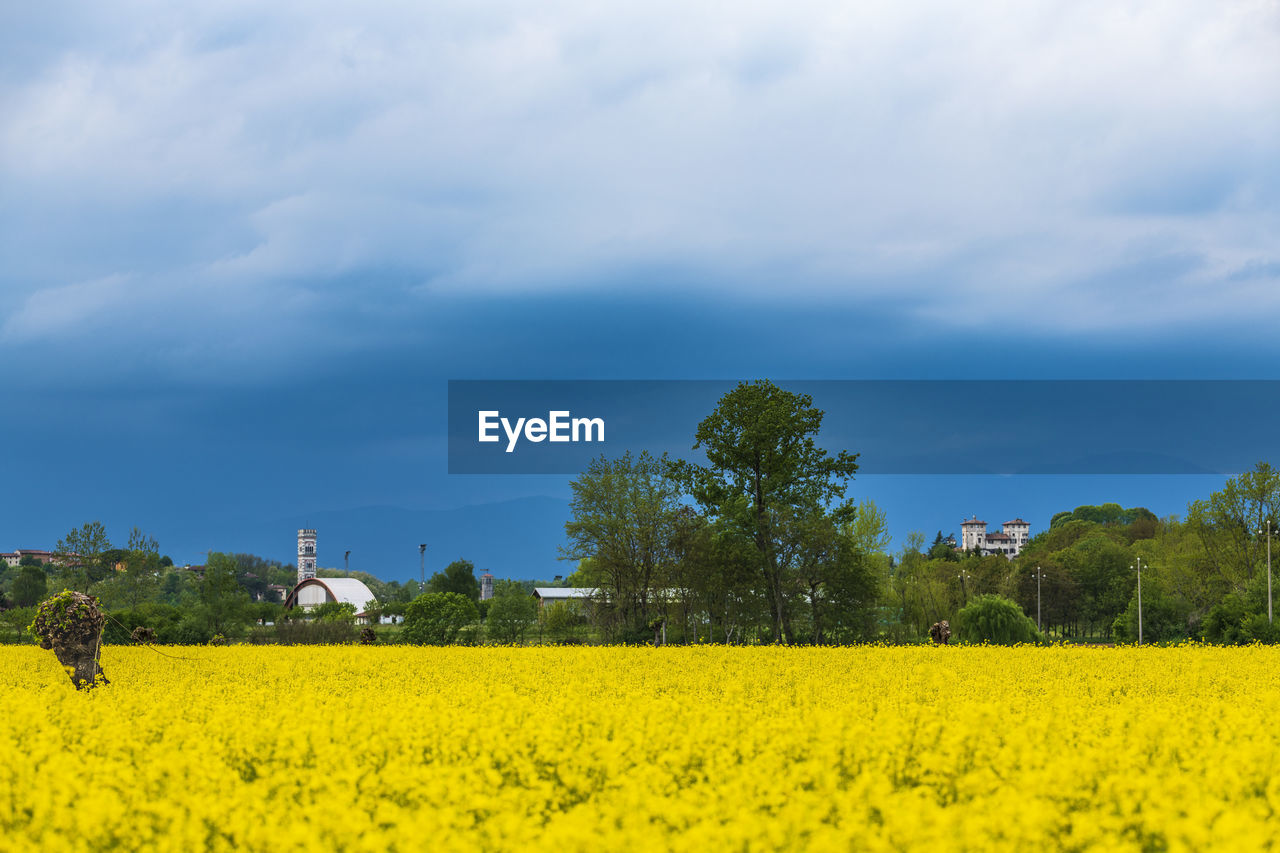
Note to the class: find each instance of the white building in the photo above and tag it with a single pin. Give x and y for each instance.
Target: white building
(313, 592)
(14, 559)
(1010, 541)
(547, 595)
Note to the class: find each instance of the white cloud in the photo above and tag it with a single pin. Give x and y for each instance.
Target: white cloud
(52, 311)
(963, 156)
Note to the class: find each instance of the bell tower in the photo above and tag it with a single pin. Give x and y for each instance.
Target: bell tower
(306, 554)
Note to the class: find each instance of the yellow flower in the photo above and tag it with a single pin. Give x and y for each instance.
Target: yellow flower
(699, 748)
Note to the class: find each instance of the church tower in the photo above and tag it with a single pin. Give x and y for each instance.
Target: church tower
(306, 554)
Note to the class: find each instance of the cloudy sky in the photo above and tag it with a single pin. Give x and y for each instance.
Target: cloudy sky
(245, 246)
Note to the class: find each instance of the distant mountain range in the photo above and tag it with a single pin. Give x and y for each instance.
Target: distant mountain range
(516, 538)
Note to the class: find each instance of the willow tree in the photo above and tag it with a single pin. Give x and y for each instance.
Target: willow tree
(70, 623)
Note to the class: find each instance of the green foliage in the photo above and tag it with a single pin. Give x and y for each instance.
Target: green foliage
(764, 464)
(1164, 616)
(459, 577)
(1107, 513)
(1237, 621)
(80, 553)
(622, 531)
(437, 618)
(381, 590)
(161, 618)
(29, 586)
(1064, 535)
(1229, 523)
(396, 594)
(1103, 578)
(869, 530)
(562, 622)
(299, 632)
(943, 551)
(831, 572)
(138, 574)
(16, 622)
(588, 574)
(193, 630)
(849, 597)
(994, 619)
(334, 611)
(512, 613)
(223, 602)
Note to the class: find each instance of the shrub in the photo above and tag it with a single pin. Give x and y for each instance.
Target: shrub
(334, 611)
(1232, 622)
(436, 618)
(994, 619)
(162, 619)
(562, 623)
(189, 632)
(510, 617)
(318, 632)
(1164, 617)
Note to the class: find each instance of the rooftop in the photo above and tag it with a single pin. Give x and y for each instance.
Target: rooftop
(564, 591)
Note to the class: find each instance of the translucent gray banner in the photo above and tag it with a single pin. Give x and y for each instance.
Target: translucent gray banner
(897, 427)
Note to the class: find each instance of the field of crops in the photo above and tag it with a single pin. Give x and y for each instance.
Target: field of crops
(351, 748)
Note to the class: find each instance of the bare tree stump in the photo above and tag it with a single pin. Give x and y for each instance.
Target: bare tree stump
(941, 633)
(71, 623)
(143, 635)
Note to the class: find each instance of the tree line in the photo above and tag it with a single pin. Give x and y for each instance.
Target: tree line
(234, 596)
(758, 544)
(761, 543)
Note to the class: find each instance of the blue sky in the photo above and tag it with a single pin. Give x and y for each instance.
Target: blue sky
(246, 247)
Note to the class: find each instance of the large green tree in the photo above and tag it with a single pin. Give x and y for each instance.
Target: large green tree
(29, 587)
(81, 555)
(223, 602)
(512, 612)
(460, 577)
(763, 464)
(1229, 523)
(437, 618)
(138, 577)
(624, 524)
(831, 573)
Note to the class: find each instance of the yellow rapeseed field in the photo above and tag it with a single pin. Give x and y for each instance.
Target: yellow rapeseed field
(701, 749)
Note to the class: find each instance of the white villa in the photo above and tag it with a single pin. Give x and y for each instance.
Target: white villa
(1010, 541)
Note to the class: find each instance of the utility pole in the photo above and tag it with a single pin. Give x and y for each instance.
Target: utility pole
(964, 590)
(1139, 568)
(1039, 576)
(422, 564)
